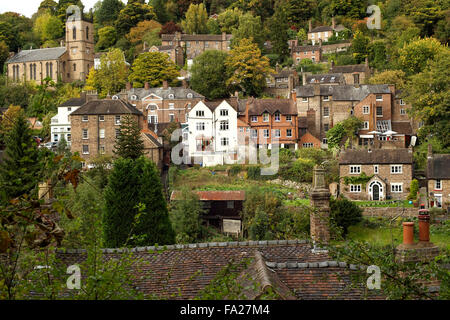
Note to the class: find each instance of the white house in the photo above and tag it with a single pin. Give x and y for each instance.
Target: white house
(212, 135)
(60, 124)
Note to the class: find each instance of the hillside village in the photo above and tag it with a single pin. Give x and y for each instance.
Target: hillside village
(292, 145)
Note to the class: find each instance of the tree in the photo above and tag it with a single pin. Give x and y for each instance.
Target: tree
(135, 208)
(396, 77)
(61, 8)
(278, 26)
(14, 30)
(429, 94)
(4, 54)
(377, 54)
(196, 20)
(134, 12)
(153, 67)
(159, 6)
(229, 19)
(213, 26)
(249, 27)
(186, 217)
(108, 12)
(170, 28)
(344, 213)
(47, 6)
(48, 27)
(209, 74)
(136, 34)
(425, 14)
(344, 129)
(111, 76)
(107, 37)
(350, 8)
(413, 57)
(7, 121)
(360, 45)
(129, 144)
(248, 69)
(298, 11)
(19, 171)
(302, 35)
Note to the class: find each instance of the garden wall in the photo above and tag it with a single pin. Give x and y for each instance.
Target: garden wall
(389, 212)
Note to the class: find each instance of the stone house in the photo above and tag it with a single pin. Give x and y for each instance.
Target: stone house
(96, 124)
(376, 174)
(281, 83)
(153, 148)
(438, 179)
(65, 63)
(354, 74)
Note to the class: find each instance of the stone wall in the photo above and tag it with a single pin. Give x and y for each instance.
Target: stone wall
(389, 212)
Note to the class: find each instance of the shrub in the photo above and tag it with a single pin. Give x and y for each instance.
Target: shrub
(413, 189)
(300, 170)
(235, 169)
(317, 155)
(344, 213)
(285, 155)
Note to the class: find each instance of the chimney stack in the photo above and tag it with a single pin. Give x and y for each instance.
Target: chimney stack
(129, 86)
(184, 84)
(430, 151)
(333, 23)
(366, 62)
(146, 86)
(320, 200)
(165, 84)
(424, 225)
(303, 78)
(309, 25)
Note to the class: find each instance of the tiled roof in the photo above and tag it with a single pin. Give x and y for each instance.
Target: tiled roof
(214, 195)
(284, 106)
(402, 127)
(37, 55)
(160, 127)
(305, 48)
(349, 68)
(325, 78)
(74, 102)
(195, 37)
(376, 156)
(288, 266)
(178, 93)
(105, 107)
(302, 122)
(213, 104)
(321, 29)
(152, 137)
(343, 92)
(438, 167)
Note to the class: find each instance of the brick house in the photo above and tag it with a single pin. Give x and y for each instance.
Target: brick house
(270, 118)
(313, 53)
(323, 33)
(95, 126)
(219, 205)
(438, 179)
(354, 74)
(281, 83)
(389, 174)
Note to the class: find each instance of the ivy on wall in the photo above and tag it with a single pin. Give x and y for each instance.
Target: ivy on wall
(361, 179)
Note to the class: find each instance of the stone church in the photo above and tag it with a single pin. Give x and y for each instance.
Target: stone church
(66, 63)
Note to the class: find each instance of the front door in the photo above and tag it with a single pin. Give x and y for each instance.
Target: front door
(375, 192)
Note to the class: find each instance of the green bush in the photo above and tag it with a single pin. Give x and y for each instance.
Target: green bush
(235, 169)
(300, 170)
(317, 155)
(413, 189)
(344, 213)
(285, 155)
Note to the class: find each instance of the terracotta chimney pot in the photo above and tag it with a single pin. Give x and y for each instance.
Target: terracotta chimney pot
(424, 227)
(408, 232)
(147, 86)
(165, 84)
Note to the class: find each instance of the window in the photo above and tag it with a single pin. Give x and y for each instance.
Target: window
(356, 78)
(254, 118)
(87, 33)
(366, 125)
(69, 137)
(223, 112)
(366, 109)
(308, 145)
(117, 133)
(266, 133)
(241, 129)
(326, 127)
(224, 125)
(396, 187)
(379, 111)
(102, 133)
(355, 169)
(379, 97)
(265, 117)
(74, 33)
(189, 95)
(277, 133)
(85, 134)
(200, 113)
(305, 99)
(152, 119)
(403, 111)
(326, 111)
(277, 117)
(85, 118)
(395, 169)
(200, 126)
(171, 106)
(438, 185)
(224, 141)
(101, 118)
(230, 204)
(402, 102)
(355, 188)
(325, 141)
(289, 133)
(117, 120)
(289, 118)
(254, 133)
(85, 149)
(74, 67)
(102, 149)
(326, 98)
(69, 109)
(171, 117)
(375, 169)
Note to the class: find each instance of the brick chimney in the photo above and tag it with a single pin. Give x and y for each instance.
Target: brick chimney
(165, 84)
(320, 200)
(366, 62)
(430, 151)
(309, 25)
(294, 95)
(129, 86)
(91, 95)
(146, 86)
(184, 84)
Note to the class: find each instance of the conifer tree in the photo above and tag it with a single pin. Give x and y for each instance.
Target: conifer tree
(129, 143)
(19, 171)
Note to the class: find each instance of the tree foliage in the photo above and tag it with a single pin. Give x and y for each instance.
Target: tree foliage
(129, 144)
(249, 27)
(344, 213)
(196, 20)
(134, 12)
(108, 12)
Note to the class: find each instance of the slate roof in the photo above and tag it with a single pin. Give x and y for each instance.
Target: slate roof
(223, 195)
(321, 29)
(402, 127)
(151, 136)
(438, 167)
(288, 266)
(305, 48)
(325, 78)
(212, 105)
(74, 102)
(178, 93)
(196, 37)
(37, 55)
(105, 107)
(376, 156)
(349, 68)
(343, 92)
(284, 106)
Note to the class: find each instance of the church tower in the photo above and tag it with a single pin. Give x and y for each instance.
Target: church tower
(80, 49)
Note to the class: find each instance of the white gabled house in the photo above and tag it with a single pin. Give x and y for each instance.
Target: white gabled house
(212, 135)
(60, 124)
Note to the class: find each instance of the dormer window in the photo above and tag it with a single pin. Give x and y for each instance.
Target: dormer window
(134, 97)
(171, 96)
(115, 98)
(277, 116)
(265, 117)
(189, 95)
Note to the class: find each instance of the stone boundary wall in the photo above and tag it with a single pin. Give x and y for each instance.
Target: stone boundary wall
(389, 212)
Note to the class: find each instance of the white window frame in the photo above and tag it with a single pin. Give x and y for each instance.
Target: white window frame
(254, 118)
(366, 109)
(403, 111)
(85, 118)
(354, 169)
(396, 169)
(355, 188)
(265, 117)
(326, 114)
(224, 125)
(438, 184)
(101, 118)
(200, 126)
(366, 125)
(397, 187)
(171, 105)
(224, 141)
(402, 102)
(376, 169)
(277, 117)
(266, 133)
(277, 133)
(308, 145)
(85, 134)
(117, 120)
(199, 113)
(326, 98)
(379, 99)
(304, 99)
(101, 133)
(436, 202)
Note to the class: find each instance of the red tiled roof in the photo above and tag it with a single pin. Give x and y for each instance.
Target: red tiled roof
(214, 195)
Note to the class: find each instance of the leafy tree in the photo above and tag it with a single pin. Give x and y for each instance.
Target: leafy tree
(396, 77)
(377, 54)
(7, 121)
(247, 67)
(170, 28)
(135, 208)
(413, 189)
(300, 170)
(262, 8)
(213, 26)
(43, 101)
(302, 35)
(15, 93)
(4, 54)
(344, 129)
(360, 44)
(344, 213)
(61, 8)
(134, 12)
(298, 11)
(48, 27)
(413, 57)
(278, 33)
(401, 31)
(249, 27)
(152, 38)
(129, 144)
(107, 37)
(159, 6)
(196, 20)
(111, 76)
(153, 67)
(425, 14)
(229, 19)
(350, 8)
(186, 217)
(108, 12)
(429, 94)
(14, 30)
(208, 74)
(47, 6)
(136, 34)
(19, 171)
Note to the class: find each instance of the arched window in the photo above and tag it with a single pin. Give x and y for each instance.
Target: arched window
(74, 67)
(87, 33)
(74, 31)
(31, 71)
(34, 71)
(47, 69)
(51, 70)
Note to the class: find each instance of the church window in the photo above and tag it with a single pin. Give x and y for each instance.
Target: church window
(74, 31)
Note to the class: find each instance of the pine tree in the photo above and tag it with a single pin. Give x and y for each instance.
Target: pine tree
(19, 171)
(129, 143)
